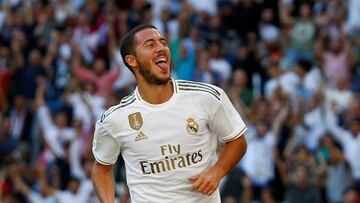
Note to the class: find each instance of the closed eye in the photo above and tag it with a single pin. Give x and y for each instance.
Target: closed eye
(163, 42)
(149, 45)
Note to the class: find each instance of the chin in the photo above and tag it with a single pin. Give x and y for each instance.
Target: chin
(162, 81)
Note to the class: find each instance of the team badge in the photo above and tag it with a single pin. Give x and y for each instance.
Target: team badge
(135, 120)
(191, 126)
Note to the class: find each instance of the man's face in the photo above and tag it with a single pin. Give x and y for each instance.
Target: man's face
(152, 56)
(99, 66)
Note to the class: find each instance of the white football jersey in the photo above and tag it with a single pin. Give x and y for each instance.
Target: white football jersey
(165, 144)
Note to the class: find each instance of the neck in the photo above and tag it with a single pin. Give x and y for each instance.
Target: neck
(155, 94)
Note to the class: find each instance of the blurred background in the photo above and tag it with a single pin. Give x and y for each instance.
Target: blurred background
(290, 67)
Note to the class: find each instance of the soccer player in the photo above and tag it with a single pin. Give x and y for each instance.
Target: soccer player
(166, 131)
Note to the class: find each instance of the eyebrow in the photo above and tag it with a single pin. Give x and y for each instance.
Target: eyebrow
(151, 40)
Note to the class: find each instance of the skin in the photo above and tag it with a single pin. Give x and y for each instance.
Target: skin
(155, 87)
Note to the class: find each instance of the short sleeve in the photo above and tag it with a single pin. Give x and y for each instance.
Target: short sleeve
(105, 147)
(226, 122)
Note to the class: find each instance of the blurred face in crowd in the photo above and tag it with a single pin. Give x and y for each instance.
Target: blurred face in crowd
(215, 22)
(239, 78)
(327, 141)
(90, 87)
(61, 120)
(99, 66)
(35, 58)
(74, 186)
(215, 50)
(82, 19)
(78, 125)
(195, 33)
(151, 60)
(354, 126)
(335, 155)
(267, 15)
(303, 155)
(351, 196)
(4, 52)
(305, 11)
(261, 128)
(183, 52)
(335, 45)
(301, 177)
(5, 127)
(273, 70)
(204, 57)
(19, 102)
(243, 52)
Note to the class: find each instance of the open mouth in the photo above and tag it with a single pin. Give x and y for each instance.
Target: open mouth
(161, 62)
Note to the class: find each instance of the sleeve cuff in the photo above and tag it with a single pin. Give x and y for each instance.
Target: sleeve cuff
(107, 163)
(234, 135)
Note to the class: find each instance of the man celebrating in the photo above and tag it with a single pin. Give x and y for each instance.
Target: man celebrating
(166, 131)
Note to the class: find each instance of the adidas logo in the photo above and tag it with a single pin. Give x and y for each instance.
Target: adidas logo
(141, 136)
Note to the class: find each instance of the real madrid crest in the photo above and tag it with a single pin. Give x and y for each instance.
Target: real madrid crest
(191, 126)
(135, 120)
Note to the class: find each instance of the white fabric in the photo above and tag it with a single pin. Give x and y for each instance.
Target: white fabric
(157, 7)
(341, 98)
(221, 66)
(17, 123)
(75, 159)
(315, 128)
(54, 135)
(208, 6)
(354, 13)
(258, 162)
(2, 19)
(126, 77)
(167, 142)
(269, 32)
(350, 143)
(35, 198)
(81, 196)
(313, 80)
(288, 82)
(81, 111)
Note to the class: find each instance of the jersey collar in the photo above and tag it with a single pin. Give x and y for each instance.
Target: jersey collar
(167, 103)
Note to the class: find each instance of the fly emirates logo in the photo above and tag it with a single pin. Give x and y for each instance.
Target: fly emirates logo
(173, 159)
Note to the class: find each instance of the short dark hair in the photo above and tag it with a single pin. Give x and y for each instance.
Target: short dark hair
(127, 43)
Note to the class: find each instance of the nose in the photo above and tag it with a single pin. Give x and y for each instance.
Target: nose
(160, 47)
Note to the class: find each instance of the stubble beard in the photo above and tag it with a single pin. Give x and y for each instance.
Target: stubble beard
(150, 77)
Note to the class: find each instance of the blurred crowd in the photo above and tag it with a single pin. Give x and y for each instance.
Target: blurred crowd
(290, 67)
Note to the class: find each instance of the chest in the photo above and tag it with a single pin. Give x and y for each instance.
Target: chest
(152, 135)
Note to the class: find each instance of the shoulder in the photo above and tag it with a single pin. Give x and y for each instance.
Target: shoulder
(204, 89)
(125, 102)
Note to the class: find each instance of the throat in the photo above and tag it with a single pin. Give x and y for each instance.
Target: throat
(156, 94)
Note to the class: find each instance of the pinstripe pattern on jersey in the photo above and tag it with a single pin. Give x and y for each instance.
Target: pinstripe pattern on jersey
(197, 86)
(124, 102)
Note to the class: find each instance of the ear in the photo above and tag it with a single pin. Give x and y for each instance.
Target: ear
(130, 59)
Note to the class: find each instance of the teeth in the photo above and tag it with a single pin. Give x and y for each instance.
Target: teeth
(163, 59)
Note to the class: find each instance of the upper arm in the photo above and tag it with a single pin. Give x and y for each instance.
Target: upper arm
(225, 121)
(105, 147)
(101, 168)
(83, 73)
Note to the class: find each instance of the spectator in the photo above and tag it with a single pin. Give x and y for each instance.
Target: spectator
(259, 171)
(349, 140)
(219, 64)
(302, 34)
(98, 74)
(338, 176)
(185, 64)
(336, 62)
